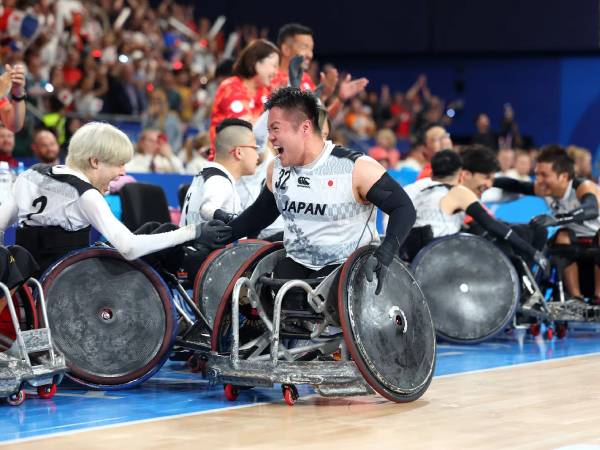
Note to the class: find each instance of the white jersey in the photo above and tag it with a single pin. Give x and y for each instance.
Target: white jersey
(212, 189)
(50, 199)
(569, 202)
(57, 196)
(323, 222)
(249, 188)
(426, 196)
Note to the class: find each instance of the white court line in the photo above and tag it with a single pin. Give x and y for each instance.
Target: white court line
(230, 408)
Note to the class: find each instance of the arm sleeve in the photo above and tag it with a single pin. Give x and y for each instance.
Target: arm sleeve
(588, 209)
(217, 192)
(498, 229)
(130, 245)
(8, 213)
(256, 217)
(516, 186)
(389, 196)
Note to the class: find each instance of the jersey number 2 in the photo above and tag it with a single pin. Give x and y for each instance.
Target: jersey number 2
(42, 202)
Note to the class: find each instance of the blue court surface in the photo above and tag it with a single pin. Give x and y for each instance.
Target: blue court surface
(176, 391)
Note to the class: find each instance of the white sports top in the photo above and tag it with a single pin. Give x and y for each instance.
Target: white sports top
(213, 188)
(569, 202)
(323, 222)
(59, 196)
(426, 195)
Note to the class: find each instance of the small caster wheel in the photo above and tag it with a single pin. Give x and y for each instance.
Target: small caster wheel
(195, 363)
(561, 331)
(549, 333)
(534, 329)
(47, 391)
(290, 394)
(231, 392)
(16, 399)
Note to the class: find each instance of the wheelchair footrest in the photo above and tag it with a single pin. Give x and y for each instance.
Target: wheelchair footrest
(333, 377)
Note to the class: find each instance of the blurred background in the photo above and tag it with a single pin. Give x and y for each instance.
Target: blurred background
(514, 74)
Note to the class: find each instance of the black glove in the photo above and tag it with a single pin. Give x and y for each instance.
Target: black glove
(542, 261)
(296, 71)
(378, 264)
(224, 216)
(544, 220)
(213, 234)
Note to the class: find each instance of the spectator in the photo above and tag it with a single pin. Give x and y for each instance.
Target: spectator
(522, 167)
(161, 118)
(483, 134)
(12, 111)
(55, 119)
(45, 147)
(401, 115)
(194, 153)
(386, 141)
(35, 79)
(123, 96)
(295, 39)
(88, 98)
(506, 160)
(7, 146)
(154, 154)
(434, 138)
(358, 120)
(244, 94)
(583, 161)
(510, 136)
(381, 156)
(415, 158)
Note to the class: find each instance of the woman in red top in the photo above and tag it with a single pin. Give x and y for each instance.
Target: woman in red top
(244, 94)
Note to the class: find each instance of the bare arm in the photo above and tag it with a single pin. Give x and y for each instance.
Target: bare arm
(366, 173)
(457, 199)
(13, 114)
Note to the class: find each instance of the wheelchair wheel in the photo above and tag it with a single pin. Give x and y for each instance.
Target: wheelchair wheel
(390, 336)
(471, 287)
(216, 273)
(113, 319)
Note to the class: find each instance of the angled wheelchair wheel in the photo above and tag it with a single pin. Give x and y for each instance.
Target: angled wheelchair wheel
(113, 319)
(216, 272)
(471, 287)
(390, 336)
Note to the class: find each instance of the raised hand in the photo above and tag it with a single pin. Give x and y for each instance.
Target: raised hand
(349, 87)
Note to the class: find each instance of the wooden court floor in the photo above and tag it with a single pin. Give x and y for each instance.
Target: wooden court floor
(546, 405)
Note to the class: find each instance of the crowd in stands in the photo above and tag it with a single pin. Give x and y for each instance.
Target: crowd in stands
(159, 66)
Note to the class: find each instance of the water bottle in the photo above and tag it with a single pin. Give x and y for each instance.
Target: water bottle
(5, 182)
(20, 168)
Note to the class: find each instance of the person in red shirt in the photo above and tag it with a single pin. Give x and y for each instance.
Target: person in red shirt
(244, 94)
(295, 39)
